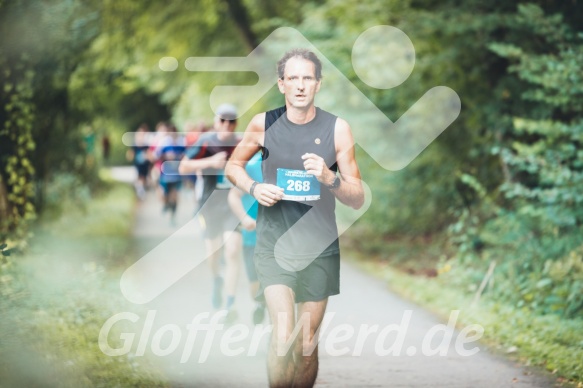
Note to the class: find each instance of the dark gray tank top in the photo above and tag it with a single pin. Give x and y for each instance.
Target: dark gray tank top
(277, 233)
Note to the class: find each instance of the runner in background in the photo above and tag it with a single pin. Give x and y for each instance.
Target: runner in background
(89, 146)
(155, 163)
(209, 155)
(171, 149)
(105, 147)
(138, 154)
(193, 133)
(244, 206)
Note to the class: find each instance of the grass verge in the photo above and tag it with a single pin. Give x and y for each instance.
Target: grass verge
(56, 296)
(547, 341)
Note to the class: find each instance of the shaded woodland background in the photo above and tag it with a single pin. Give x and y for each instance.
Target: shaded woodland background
(503, 184)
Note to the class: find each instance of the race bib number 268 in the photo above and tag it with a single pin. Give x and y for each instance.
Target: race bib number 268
(298, 185)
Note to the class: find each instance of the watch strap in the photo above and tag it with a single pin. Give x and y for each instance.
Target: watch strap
(336, 183)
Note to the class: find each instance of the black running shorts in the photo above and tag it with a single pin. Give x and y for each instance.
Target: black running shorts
(215, 216)
(319, 280)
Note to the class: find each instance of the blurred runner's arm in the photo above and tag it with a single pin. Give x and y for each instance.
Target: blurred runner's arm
(236, 204)
(190, 164)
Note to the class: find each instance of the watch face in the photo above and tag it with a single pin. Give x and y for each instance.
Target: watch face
(336, 182)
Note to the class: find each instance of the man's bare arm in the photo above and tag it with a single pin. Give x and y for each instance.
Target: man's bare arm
(350, 192)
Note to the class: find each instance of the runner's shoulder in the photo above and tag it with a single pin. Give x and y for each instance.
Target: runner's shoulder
(323, 112)
(341, 126)
(205, 137)
(257, 123)
(343, 137)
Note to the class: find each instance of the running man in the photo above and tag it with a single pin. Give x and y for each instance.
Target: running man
(171, 149)
(304, 147)
(209, 154)
(138, 154)
(155, 163)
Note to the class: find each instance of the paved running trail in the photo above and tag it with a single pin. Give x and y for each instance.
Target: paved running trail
(348, 356)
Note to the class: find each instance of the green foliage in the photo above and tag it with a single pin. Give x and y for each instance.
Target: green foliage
(545, 164)
(548, 341)
(505, 179)
(405, 201)
(66, 192)
(532, 223)
(16, 147)
(53, 103)
(3, 251)
(55, 298)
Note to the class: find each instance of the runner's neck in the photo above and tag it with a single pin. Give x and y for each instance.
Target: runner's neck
(301, 116)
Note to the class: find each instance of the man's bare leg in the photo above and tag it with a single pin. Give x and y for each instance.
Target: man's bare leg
(306, 349)
(232, 249)
(281, 306)
(254, 287)
(213, 249)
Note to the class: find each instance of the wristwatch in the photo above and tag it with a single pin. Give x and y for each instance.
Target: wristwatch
(336, 183)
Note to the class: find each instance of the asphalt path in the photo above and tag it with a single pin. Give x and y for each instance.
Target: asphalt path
(370, 337)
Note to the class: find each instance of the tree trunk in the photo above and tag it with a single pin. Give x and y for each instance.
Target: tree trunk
(240, 16)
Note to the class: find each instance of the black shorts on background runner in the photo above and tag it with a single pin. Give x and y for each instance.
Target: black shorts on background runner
(319, 280)
(248, 252)
(215, 216)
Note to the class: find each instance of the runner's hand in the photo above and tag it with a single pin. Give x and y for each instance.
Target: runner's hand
(218, 160)
(267, 194)
(316, 166)
(248, 223)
